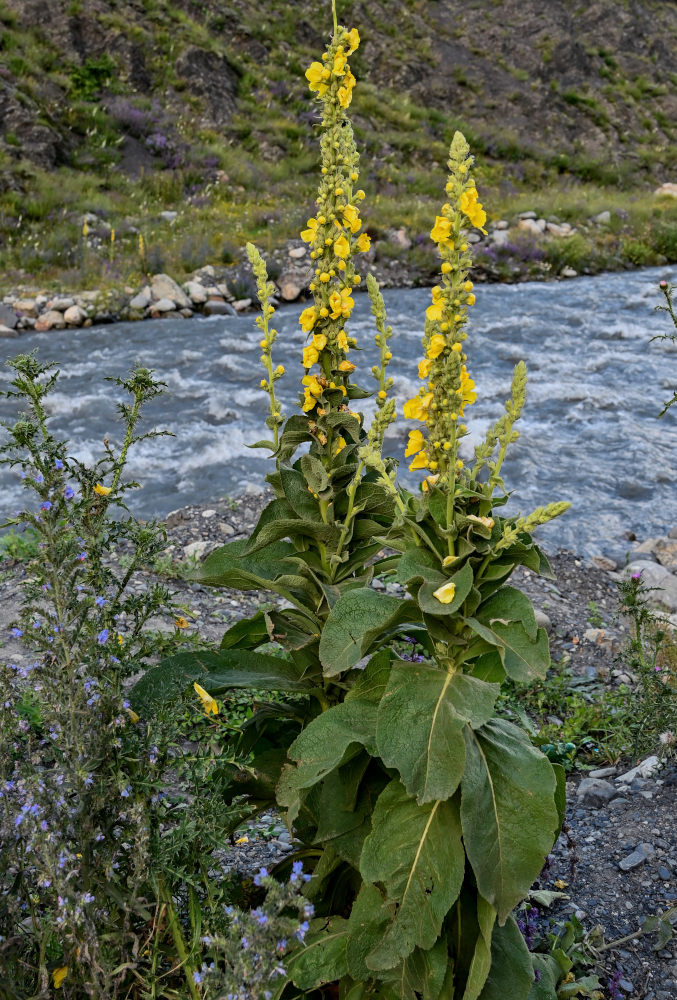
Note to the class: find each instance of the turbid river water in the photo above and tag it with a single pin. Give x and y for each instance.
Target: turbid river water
(590, 431)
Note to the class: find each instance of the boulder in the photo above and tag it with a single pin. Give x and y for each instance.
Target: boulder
(27, 307)
(558, 230)
(61, 304)
(531, 226)
(163, 306)
(7, 332)
(50, 320)
(196, 292)
(662, 583)
(502, 224)
(141, 299)
(595, 792)
(646, 769)
(568, 272)
(241, 304)
(602, 218)
(669, 189)
(399, 238)
(164, 287)
(218, 307)
(527, 215)
(296, 253)
(75, 315)
(500, 237)
(292, 282)
(8, 316)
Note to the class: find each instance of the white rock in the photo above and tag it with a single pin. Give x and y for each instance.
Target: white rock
(502, 224)
(208, 270)
(643, 770)
(241, 304)
(296, 253)
(500, 237)
(197, 550)
(61, 304)
(556, 230)
(26, 306)
(196, 292)
(669, 188)
(527, 215)
(164, 287)
(50, 320)
(75, 315)
(142, 299)
(602, 218)
(208, 513)
(568, 272)
(168, 216)
(163, 306)
(531, 226)
(6, 331)
(223, 289)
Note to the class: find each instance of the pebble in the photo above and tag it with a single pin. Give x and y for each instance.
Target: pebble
(596, 793)
(664, 873)
(641, 854)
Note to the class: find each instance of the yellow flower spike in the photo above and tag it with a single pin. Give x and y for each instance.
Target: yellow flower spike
(102, 491)
(446, 593)
(308, 319)
(58, 976)
(310, 356)
(342, 247)
(435, 347)
(351, 217)
(340, 60)
(208, 703)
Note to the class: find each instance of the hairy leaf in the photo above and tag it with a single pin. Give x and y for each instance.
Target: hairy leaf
(356, 622)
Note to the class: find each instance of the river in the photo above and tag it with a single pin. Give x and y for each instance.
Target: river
(589, 434)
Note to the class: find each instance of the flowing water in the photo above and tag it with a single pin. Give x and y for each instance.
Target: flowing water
(589, 434)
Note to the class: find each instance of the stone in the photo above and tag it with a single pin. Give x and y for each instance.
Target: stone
(174, 517)
(664, 873)
(602, 218)
(61, 304)
(292, 282)
(641, 854)
(399, 238)
(527, 215)
(648, 545)
(672, 533)
(196, 292)
(595, 793)
(206, 514)
(142, 299)
(197, 550)
(646, 769)
(50, 320)
(164, 287)
(163, 306)
(531, 225)
(557, 229)
(668, 189)
(626, 985)
(471, 238)
(296, 253)
(502, 224)
(223, 289)
(254, 490)
(604, 563)
(27, 307)
(568, 272)
(241, 304)
(542, 620)
(655, 576)
(169, 216)
(500, 237)
(186, 313)
(7, 332)
(8, 316)
(602, 772)
(665, 551)
(217, 307)
(75, 315)
(594, 635)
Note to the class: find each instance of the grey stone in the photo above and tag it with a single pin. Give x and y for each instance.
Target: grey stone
(297, 253)
(568, 272)
(399, 238)
(8, 317)
(531, 225)
(641, 854)
(241, 304)
(502, 224)
(500, 237)
(604, 563)
(6, 332)
(217, 307)
(617, 804)
(595, 793)
(75, 315)
(645, 769)
(163, 306)
(672, 533)
(50, 320)
(664, 873)
(603, 772)
(142, 299)
(527, 215)
(27, 307)
(602, 218)
(542, 620)
(594, 635)
(61, 304)
(196, 292)
(164, 287)
(197, 550)
(292, 282)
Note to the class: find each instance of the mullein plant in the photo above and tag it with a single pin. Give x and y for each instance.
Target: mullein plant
(423, 817)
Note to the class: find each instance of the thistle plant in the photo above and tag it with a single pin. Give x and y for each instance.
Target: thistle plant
(423, 818)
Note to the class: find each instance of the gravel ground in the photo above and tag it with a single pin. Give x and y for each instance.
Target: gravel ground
(602, 829)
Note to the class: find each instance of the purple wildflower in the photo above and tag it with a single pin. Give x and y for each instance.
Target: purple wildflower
(102, 637)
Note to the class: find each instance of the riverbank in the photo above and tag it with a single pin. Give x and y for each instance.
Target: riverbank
(527, 246)
(616, 817)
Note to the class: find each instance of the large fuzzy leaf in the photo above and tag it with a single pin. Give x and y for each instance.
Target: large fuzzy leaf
(216, 673)
(524, 659)
(508, 812)
(231, 566)
(420, 722)
(509, 605)
(481, 960)
(511, 973)
(416, 853)
(323, 959)
(357, 620)
(462, 580)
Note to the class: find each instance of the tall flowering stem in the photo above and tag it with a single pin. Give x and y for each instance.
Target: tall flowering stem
(265, 291)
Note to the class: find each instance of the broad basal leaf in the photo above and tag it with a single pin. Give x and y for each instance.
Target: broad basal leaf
(355, 623)
(230, 566)
(524, 659)
(511, 973)
(323, 959)
(481, 960)
(416, 853)
(509, 605)
(420, 722)
(508, 812)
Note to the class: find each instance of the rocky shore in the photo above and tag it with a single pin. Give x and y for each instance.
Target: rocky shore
(616, 862)
(512, 250)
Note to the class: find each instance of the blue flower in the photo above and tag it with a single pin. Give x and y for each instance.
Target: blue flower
(58, 464)
(47, 505)
(69, 493)
(99, 601)
(82, 556)
(197, 977)
(244, 942)
(126, 792)
(17, 633)
(102, 637)
(302, 930)
(263, 873)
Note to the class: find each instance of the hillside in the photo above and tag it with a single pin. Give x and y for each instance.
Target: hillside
(127, 109)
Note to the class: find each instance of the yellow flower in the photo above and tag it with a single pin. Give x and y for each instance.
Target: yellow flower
(346, 366)
(181, 622)
(342, 340)
(445, 593)
(434, 312)
(436, 346)
(315, 77)
(319, 341)
(133, 717)
(417, 408)
(471, 207)
(351, 218)
(441, 231)
(467, 388)
(471, 299)
(102, 491)
(353, 40)
(340, 445)
(308, 319)
(415, 443)
(488, 522)
(560, 883)
(345, 93)
(424, 368)
(308, 235)
(429, 482)
(363, 242)
(310, 356)
(341, 303)
(340, 61)
(242, 840)
(419, 462)
(58, 976)
(342, 247)
(208, 703)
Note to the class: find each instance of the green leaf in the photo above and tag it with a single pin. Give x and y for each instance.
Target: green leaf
(420, 722)
(463, 580)
(296, 491)
(370, 683)
(419, 564)
(508, 812)
(231, 566)
(560, 795)
(421, 974)
(291, 628)
(295, 432)
(292, 528)
(323, 957)
(332, 738)
(523, 659)
(216, 673)
(546, 987)
(509, 605)
(481, 960)
(356, 622)
(417, 854)
(369, 918)
(314, 473)
(511, 973)
(246, 634)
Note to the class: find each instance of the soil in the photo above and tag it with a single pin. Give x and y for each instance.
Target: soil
(595, 840)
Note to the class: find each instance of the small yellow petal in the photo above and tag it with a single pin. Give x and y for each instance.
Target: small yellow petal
(58, 976)
(445, 594)
(102, 491)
